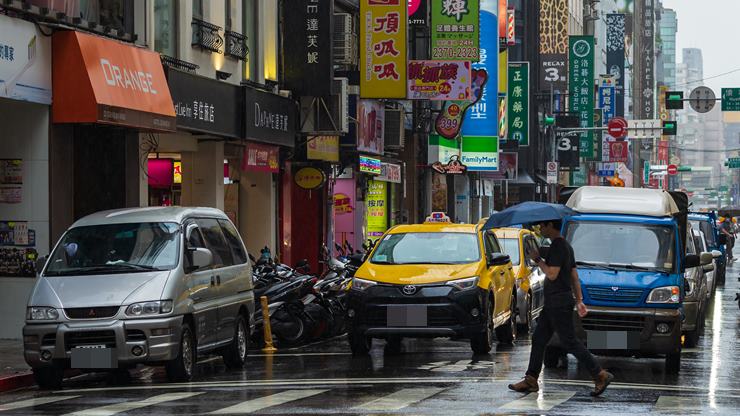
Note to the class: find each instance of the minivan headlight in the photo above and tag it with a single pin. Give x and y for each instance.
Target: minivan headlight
(154, 307)
(666, 294)
(464, 284)
(362, 284)
(42, 313)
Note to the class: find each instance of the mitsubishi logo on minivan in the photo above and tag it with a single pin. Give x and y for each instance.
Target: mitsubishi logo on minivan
(91, 313)
(409, 290)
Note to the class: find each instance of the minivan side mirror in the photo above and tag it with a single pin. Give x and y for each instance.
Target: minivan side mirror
(497, 259)
(200, 258)
(40, 263)
(716, 254)
(708, 268)
(722, 239)
(691, 261)
(706, 258)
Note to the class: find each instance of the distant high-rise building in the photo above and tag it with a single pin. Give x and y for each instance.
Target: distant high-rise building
(668, 30)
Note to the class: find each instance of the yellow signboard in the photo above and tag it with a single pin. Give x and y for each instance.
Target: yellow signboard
(383, 46)
(324, 148)
(503, 71)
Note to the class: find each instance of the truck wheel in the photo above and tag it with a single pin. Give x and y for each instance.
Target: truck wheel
(235, 355)
(359, 343)
(506, 333)
(49, 378)
(673, 362)
(482, 342)
(553, 355)
(182, 367)
(691, 338)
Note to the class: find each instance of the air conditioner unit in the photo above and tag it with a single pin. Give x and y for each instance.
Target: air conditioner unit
(328, 116)
(394, 131)
(345, 40)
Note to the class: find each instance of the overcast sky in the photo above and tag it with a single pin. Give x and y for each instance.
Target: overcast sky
(712, 26)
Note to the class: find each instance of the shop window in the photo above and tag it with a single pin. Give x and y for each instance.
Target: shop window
(232, 237)
(198, 9)
(222, 256)
(114, 14)
(165, 27)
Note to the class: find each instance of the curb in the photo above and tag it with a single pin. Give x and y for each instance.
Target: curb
(16, 381)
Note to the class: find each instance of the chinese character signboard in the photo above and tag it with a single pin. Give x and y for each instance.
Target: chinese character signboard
(618, 151)
(377, 211)
(439, 80)
(417, 12)
(581, 60)
(482, 117)
(323, 148)
(645, 65)
(371, 128)
(615, 31)
(455, 29)
(606, 101)
(554, 44)
(25, 76)
(519, 102)
(389, 172)
(260, 158)
(730, 99)
(308, 31)
(383, 46)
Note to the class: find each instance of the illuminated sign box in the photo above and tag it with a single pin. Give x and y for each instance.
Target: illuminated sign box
(370, 165)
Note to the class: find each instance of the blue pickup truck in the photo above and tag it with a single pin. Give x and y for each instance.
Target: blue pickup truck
(630, 247)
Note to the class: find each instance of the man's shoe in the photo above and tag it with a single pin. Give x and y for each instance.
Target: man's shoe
(601, 382)
(528, 385)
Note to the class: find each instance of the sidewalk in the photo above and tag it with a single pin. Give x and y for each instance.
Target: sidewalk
(14, 372)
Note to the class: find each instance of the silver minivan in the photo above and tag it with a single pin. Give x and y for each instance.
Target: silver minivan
(156, 285)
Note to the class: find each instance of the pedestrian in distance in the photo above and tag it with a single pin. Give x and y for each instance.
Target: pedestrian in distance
(562, 293)
(727, 229)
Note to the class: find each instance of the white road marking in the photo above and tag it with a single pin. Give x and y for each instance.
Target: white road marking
(538, 401)
(268, 401)
(113, 409)
(399, 399)
(678, 403)
(22, 404)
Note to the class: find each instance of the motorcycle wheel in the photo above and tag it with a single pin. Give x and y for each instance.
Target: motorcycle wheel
(292, 333)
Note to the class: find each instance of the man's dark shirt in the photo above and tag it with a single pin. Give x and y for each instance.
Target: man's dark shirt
(559, 292)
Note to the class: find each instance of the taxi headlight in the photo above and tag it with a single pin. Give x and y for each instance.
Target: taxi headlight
(666, 294)
(464, 284)
(42, 313)
(362, 284)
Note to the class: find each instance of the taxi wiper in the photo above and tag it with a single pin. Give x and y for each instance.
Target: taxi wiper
(596, 265)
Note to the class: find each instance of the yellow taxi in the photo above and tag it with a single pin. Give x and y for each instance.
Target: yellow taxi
(530, 280)
(435, 279)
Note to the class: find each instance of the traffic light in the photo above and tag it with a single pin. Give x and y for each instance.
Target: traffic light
(674, 100)
(670, 128)
(549, 120)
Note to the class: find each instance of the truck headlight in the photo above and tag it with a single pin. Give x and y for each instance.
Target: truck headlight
(154, 307)
(464, 284)
(42, 313)
(362, 284)
(666, 294)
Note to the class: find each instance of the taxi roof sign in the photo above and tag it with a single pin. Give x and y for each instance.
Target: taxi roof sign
(437, 217)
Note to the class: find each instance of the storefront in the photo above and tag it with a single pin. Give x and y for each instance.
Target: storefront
(25, 96)
(109, 100)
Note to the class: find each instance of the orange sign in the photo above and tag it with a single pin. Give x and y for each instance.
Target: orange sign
(98, 80)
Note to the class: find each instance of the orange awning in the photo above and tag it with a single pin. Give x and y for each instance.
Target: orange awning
(98, 80)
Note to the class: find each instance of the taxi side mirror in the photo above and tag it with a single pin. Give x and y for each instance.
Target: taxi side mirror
(497, 259)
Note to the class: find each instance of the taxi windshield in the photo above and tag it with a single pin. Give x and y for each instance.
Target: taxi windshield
(427, 248)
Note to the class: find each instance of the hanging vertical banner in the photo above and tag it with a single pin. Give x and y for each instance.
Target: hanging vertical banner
(502, 7)
(454, 29)
(645, 67)
(554, 45)
(383, 42)
(518, 117)
(371, 126)
(615, 32)
(309, 31)
(581, 61)
(418, 12)
(377, 211)
(606, 101)
(510, 27)
(482, 118)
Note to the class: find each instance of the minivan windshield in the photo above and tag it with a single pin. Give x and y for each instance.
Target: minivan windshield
(630, 246)
(116, 248)
(427, 248)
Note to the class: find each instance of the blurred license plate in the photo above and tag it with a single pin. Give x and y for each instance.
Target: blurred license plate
(613, 340)
(94, 356)
(407, 315)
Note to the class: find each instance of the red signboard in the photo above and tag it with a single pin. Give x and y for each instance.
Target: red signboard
(261, 158)
(617, 127)
(672, 170)
(618, 151)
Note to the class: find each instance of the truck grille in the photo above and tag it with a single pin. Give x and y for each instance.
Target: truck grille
(601, 322)
(83, 338)
(606, 294)
(92, 313)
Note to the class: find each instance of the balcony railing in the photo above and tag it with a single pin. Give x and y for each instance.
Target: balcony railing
(205, 36)
(236, 45)
(175, 63)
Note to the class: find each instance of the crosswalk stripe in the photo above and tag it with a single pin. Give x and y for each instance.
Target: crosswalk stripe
(22, 404)
(399, 399)
(677, 403)
(538, 401)
(268, 401)
(113, 409)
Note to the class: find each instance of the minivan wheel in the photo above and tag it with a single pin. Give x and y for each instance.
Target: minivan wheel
(235, 355)
(182, 367)
(49, 378)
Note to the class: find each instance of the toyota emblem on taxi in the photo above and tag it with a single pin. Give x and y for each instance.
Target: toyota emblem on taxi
(409, 290)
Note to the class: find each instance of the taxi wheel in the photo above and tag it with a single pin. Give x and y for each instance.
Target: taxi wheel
(506, 333)
(482, 342)
(359, 343)
(526, 326)
(393, 345)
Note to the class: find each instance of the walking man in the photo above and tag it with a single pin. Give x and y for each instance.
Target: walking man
(727, 229)
(562, 293)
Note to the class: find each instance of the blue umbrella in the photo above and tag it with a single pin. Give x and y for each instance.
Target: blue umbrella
(527, 213)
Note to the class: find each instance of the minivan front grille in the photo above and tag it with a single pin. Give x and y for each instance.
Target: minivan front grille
(86, 338)
(621, 295)
(96, 312)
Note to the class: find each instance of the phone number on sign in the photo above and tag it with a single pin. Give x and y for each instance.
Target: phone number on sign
(461, 53)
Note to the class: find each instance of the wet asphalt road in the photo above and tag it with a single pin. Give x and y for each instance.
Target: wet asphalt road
(430, 377)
